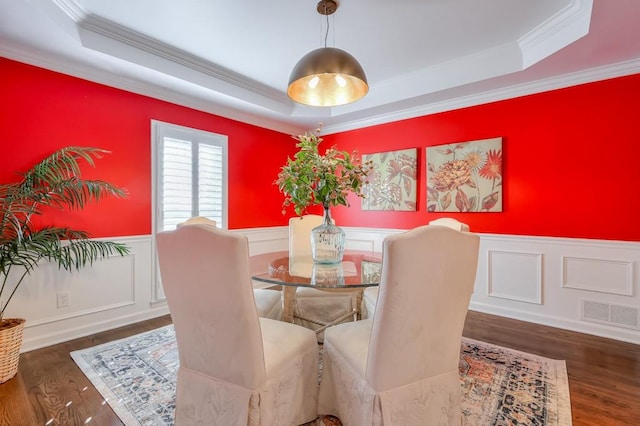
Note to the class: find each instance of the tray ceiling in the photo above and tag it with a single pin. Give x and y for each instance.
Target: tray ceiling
(234, 58)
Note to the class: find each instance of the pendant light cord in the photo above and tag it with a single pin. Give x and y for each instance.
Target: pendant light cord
(326, 34)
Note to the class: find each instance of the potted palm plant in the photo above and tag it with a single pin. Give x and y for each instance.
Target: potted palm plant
(54, 182)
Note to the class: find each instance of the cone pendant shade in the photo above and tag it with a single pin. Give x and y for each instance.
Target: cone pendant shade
(327, 77)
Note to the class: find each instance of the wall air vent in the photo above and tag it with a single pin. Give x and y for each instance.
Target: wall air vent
(625, 316)
(614, 315)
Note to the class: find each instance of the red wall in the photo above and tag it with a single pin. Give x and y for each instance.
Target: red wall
(571, 161)
(41, 111)
(570, 157)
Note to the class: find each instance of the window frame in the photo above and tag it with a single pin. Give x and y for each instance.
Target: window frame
(160, 130)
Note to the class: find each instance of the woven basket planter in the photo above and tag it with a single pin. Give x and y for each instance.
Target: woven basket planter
(10, 342)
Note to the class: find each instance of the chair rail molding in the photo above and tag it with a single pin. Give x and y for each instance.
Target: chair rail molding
(550, 289)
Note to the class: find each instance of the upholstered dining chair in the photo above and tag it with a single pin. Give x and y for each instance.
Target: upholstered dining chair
(314, 308)
(401, 366)
(268, 302)
(451, 223)
(235, 368)
(198, 220)
(370, 295)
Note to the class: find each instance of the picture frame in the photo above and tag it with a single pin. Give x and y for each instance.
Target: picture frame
(392, 183)
(465, 176)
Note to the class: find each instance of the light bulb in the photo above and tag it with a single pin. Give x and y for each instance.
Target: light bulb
(314, 82)
(340, 80)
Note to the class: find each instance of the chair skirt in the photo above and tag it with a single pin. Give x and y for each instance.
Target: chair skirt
(345, 393)
(287, 398)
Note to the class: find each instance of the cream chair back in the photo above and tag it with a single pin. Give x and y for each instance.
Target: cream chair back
(235, 368)
(210, 298)
(198, 220)
(450, 223)
(427, 280)
(267, 301)
(300, 235)
(401, 367)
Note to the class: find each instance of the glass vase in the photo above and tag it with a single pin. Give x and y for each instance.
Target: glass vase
(327, 241)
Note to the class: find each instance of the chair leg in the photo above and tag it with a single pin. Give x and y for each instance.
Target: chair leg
(356, 304)
(288, 299)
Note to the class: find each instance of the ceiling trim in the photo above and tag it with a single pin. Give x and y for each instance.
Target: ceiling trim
(514, 91)
(109, 37)
(70, 67)
(557, 32)
(269, 108)
(489, 63)
(63, 65)
(106, 36)
(563, 28)
(72, 9)
(137, 40)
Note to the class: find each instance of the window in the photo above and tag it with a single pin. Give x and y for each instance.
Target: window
(190, 175)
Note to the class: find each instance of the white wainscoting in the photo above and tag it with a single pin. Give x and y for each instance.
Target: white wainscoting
(569, 273)
(590, 286)
(113, 292)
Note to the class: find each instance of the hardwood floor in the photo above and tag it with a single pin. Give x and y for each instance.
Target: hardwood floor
(604, 374)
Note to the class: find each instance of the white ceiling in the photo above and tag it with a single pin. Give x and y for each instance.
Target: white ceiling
(233, 58)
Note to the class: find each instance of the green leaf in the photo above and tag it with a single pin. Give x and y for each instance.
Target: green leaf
(53, 182)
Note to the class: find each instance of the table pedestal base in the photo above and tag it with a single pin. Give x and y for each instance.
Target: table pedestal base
(288, 305)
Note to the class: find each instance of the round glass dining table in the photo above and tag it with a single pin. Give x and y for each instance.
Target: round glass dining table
(358, 269)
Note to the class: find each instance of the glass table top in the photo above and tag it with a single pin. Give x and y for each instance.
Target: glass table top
(357, 269)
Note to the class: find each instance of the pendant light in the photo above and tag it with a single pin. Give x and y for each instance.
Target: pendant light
(327, 76)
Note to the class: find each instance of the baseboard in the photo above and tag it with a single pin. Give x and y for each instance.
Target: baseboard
(562, 323)
(48, 339)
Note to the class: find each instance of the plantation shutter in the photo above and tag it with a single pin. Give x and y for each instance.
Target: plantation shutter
(191, 176)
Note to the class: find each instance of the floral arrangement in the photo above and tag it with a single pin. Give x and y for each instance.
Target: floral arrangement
(310, 178)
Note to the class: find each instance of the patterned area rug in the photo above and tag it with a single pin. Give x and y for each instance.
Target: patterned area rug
(137, 375)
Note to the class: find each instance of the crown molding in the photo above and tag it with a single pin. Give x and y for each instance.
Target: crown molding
(109, 37)
(73, 68)
(121, 34)
(562, 29)
(553, 83)
(63, 65)
(263, 106)
(104, 35)
(72, 9)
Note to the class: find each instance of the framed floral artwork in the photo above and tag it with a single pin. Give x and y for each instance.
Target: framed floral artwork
(465, 177)
(392, 183)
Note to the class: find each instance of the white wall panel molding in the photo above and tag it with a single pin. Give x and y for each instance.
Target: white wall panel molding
(120, 291)
(113, 292)
(367, 238)
(571, 270)
(577, 242)
(86, 312)
(602, 275)
(503, 266)
(360, 244)
(262, 240)
(108, 284)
